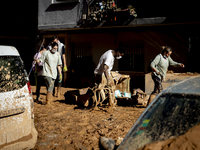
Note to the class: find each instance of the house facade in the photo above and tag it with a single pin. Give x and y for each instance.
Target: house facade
(89, 28)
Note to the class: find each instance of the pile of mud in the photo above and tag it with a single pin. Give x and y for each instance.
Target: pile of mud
(183, 74)
(64, 126)
(188, 141)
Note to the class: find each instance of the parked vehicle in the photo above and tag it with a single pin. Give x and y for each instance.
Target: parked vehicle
(171, 114)
(17, 130)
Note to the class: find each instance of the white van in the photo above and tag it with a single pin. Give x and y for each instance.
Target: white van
(17, 130)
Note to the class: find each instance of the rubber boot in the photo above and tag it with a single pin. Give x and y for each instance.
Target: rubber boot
(151, 98)
(58, 91)
(37, 100)
(49, 98)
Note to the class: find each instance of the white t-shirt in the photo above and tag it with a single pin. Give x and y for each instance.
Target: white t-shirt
(108, 59)
(50, 62)
(61, 49)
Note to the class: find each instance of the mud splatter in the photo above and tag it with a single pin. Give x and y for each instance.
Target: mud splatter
(12, 73)
(64, 126)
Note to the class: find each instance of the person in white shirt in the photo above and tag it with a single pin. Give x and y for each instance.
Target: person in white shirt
(51, 61)
(61, 51)
(106, 63)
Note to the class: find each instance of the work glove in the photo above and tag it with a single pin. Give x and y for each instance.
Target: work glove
(60, 78)
(64, 69)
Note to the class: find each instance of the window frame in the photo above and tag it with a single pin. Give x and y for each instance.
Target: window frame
(134, 50)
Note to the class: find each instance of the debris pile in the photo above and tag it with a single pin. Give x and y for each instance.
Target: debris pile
(140, 96)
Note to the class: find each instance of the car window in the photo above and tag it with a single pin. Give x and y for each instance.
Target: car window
(168, 117)
(12, 73)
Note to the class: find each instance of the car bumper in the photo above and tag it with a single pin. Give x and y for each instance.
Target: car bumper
(27, 142)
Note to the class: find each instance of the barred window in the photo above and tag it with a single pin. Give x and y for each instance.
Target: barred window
(133, 59)
(81, 49)
(81, 57)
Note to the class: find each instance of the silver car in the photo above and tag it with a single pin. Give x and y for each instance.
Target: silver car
(171, 114)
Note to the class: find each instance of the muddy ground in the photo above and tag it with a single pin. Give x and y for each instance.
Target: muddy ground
(64, 126)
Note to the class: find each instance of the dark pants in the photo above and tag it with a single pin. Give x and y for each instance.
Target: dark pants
(157, 85)
(40, 80)
(97, 78)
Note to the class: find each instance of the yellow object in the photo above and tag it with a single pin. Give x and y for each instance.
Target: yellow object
(146, 121)
(65, 69)
(60, 80)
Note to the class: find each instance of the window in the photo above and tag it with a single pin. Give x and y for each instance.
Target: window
(133, 59)
(81, 49)
(82, 64)
(81, 56)
(170, 116)
(13, 76)
(64, 1)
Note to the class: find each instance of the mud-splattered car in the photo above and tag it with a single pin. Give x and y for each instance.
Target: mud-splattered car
(17, 130)
(171, 114)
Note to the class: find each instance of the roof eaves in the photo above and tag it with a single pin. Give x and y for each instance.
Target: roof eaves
(117, 27)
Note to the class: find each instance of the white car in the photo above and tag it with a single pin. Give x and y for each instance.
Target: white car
(17, 130)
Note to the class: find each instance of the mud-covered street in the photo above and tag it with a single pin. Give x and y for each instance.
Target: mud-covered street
(64, 126)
